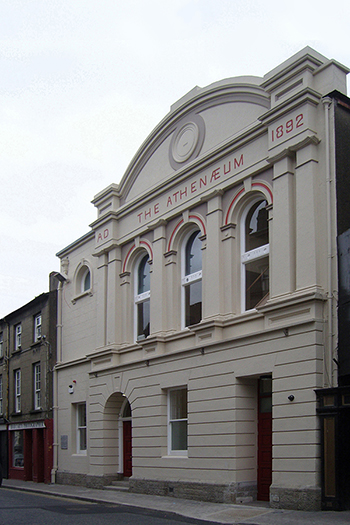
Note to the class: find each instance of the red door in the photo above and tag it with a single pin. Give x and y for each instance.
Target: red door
(127, 449)
(265, 438)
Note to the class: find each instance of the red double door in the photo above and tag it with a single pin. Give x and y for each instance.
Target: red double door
(264, 438)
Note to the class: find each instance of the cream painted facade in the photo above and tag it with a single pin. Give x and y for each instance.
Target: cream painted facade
(221, 151)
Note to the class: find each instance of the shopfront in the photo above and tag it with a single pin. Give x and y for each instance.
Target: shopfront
(30, 451)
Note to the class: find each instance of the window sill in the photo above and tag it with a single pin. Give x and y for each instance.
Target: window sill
(14, 414)
(81, 454)
(36, 411)
(80, 296)
(177, 455)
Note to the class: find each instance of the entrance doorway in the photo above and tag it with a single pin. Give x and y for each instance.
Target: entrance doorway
(264, 437)
(127, 439)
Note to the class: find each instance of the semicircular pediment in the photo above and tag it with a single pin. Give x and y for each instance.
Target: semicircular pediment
(196, 124)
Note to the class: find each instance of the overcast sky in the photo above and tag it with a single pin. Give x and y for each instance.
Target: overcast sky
(82, 84)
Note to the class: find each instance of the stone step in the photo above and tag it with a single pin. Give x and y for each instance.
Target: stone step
(121, 486)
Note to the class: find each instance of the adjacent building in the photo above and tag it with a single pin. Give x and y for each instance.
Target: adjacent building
(198, 316)
(27, 359)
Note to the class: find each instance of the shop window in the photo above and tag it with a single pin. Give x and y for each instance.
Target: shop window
(18, 336)
(81, 429)
(255, 256)
(17, 449)
(142, 298)
(192, 280)
(37, 328)
(17, 376)
(37, 386)
(177, 421)
(1, 396)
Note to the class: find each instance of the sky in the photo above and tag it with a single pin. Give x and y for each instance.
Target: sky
(84, 82)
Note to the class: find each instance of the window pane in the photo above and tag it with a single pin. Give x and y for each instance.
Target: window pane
(179, 435)
(193, 254)
(82, 416)
(17, 437)
(193, 303)
(144, 281)
(82, 439)
(143, 319)
(87, 282)
(178, 404)
(257, 282)
(257, 233)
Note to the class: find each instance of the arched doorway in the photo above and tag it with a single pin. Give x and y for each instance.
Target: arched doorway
(126, 439)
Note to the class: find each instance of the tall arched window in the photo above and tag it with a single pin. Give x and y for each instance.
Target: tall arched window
(192, 279)
(255, 255)
(142, 298)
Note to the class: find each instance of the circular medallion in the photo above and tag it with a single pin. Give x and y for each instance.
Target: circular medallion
(185, 141)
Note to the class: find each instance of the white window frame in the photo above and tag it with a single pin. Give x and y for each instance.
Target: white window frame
(17, 378)
(81, 429)
(18, 336)
(1, 344)
(140, 298)
(188, 279)
(37, 386)
(37, 327)
(251, 255)
(171, 450)
(1, 395)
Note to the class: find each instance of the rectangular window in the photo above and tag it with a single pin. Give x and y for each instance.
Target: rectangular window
(37, 328)
(1, 404)
(1, 345)
(37, 386)
(81, 428)
(17, 390)
(177, 411)
(18, 336)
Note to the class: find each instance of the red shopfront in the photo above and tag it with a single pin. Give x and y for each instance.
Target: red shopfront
(31, 451)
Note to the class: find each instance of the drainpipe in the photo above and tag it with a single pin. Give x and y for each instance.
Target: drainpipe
(7, 361)
(327, 101)
(55, 379)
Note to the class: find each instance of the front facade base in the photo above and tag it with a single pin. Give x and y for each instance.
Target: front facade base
(305, 498)
(212, 492)
(85, 480)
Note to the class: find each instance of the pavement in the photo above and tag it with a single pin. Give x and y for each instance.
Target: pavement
(209, 513)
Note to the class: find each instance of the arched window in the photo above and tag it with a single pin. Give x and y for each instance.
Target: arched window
(86, 281)
(142, 298)
(192, 280)
(255, 255)
(83, 280)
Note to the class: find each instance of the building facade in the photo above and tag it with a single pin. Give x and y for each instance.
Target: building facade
(198, 316)
(27, 359)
